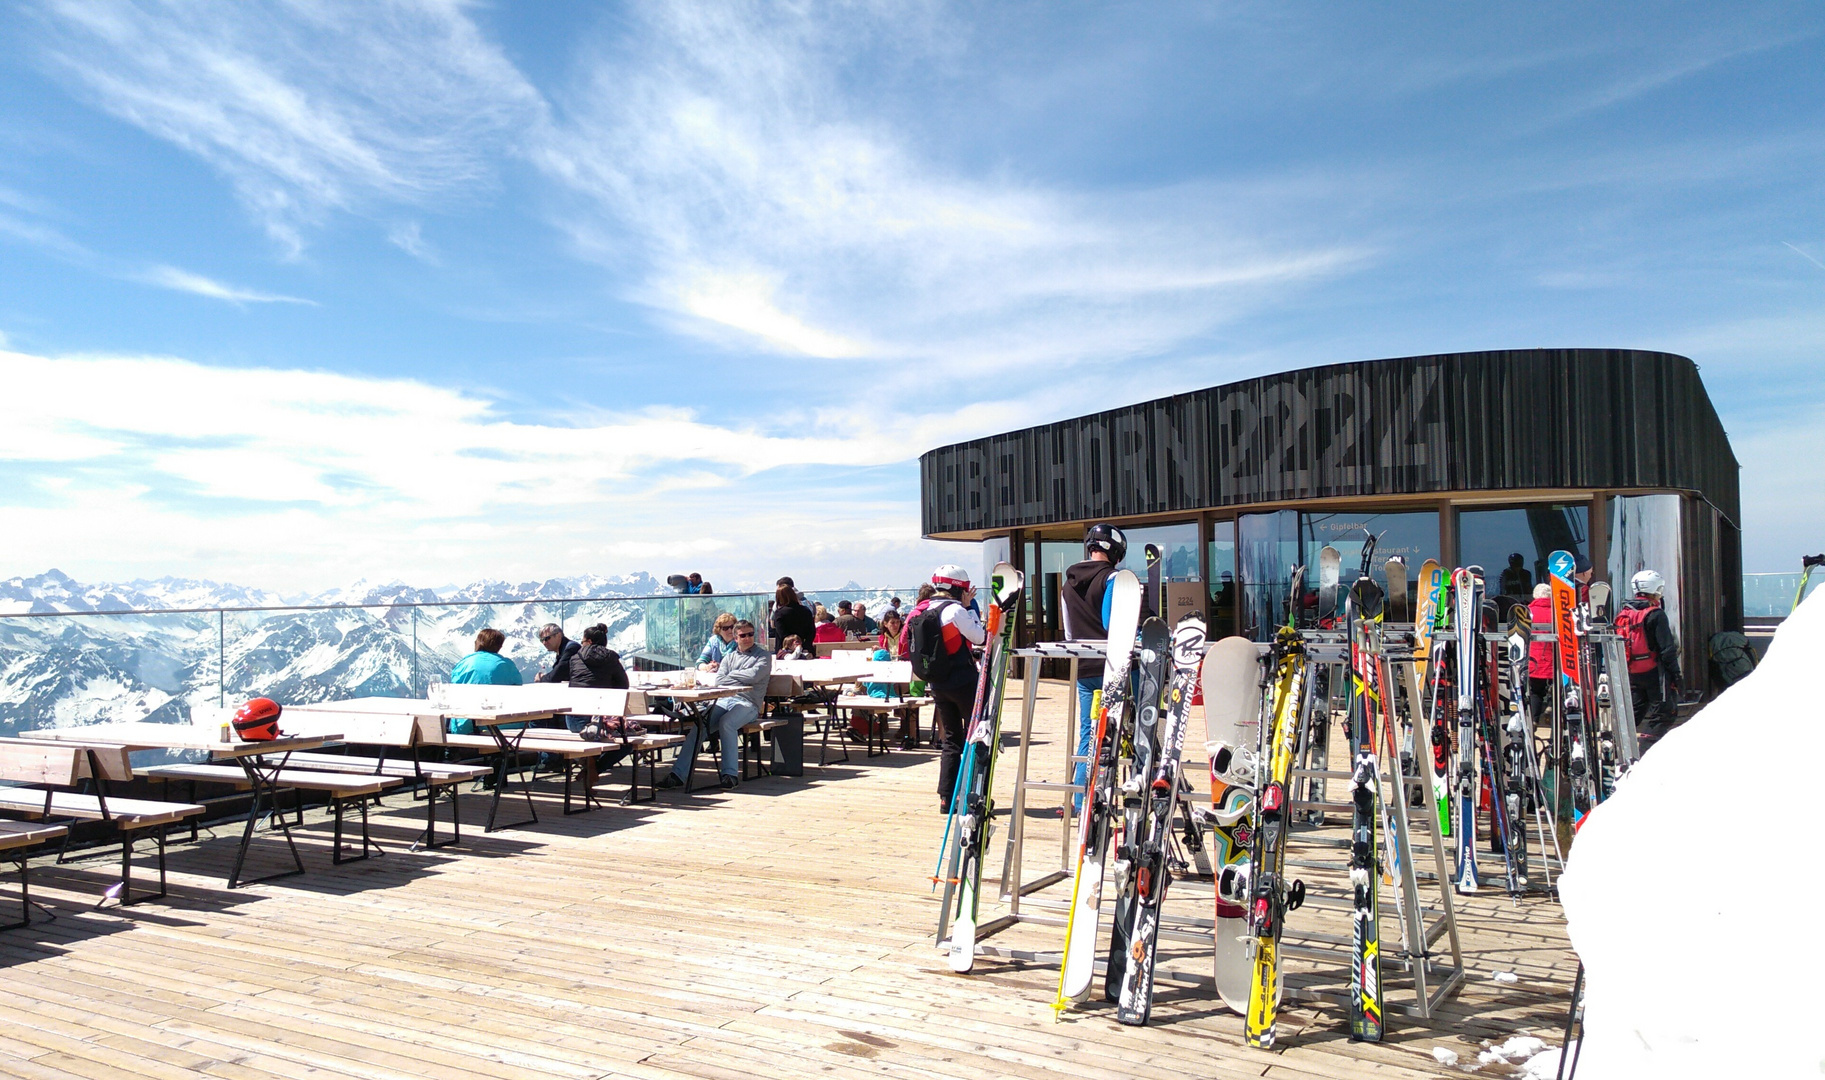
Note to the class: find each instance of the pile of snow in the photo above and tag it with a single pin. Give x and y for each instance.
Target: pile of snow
(1699, 962)
(1517, 1050)
(1545, 1064)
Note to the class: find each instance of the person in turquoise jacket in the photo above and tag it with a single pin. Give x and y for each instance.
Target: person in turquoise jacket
(484, 665)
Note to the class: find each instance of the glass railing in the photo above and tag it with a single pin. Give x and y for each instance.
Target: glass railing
(80, 668)
(1770, 596)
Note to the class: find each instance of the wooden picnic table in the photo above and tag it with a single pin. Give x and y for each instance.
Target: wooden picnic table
(254, 756)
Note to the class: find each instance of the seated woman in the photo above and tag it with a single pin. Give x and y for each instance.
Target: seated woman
(484, 665)
(827, 629)
(722, 640)
(893, 627)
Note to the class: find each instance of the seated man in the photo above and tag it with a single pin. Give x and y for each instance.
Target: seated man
(748, 666)
(484, 665)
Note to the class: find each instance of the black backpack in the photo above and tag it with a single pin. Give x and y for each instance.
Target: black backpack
(1731, 657)
(930, 661)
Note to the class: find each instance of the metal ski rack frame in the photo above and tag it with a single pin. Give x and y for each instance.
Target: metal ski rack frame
(1420, 927)
(1013, 889)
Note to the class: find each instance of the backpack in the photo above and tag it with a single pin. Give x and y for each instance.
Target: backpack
(930, 661)
(1632, 624)
(1731, 656)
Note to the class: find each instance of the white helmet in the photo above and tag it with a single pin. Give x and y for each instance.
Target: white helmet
(951, 576)
(1648, 583)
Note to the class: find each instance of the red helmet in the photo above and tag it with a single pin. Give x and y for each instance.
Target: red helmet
(258, 719)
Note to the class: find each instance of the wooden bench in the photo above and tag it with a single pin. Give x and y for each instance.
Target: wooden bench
(342, 788)
(16, 838)
(54, 773)
(871, 724)
(580, 757)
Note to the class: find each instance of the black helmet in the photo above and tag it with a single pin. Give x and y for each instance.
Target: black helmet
(1105, 537)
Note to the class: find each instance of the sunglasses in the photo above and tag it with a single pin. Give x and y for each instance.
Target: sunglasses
(745, 634)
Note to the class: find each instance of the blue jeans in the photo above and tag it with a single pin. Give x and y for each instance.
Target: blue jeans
(729, 716)
(1086, 729)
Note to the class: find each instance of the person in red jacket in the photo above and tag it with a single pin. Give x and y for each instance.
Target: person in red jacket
(1540, 653)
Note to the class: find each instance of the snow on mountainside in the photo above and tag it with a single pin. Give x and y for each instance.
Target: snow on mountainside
(76, 669)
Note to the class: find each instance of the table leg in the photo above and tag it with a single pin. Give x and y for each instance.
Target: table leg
(263, 787)
(510, 750)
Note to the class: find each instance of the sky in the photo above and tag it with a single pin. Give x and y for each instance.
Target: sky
(296, 293)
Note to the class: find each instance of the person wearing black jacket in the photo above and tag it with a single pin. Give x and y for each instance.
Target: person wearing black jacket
(594, 664)
(790, 617)
(552, 637)
(1086, 603)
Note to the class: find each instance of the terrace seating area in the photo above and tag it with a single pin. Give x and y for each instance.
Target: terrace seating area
(777, 930)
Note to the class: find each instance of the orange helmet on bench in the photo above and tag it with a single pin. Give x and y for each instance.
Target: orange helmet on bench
(258, 719)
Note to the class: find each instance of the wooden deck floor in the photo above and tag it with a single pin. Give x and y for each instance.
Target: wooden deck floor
(780, 930)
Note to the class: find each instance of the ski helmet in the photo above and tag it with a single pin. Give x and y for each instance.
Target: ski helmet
(951, 576)
(1106, 537)
(1648, 583)
(258, 719)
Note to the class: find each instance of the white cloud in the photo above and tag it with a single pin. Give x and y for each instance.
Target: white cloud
(408, 237)
(719, 137)
(170, 277)
(306, 108)
(291, 478)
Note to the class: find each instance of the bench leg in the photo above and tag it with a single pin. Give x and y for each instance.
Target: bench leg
(126, 870)
(25, 896)
(432, 794)
(367, 841)
(585, 771)
(638, 757)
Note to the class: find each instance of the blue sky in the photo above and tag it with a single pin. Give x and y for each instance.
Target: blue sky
(297, 293)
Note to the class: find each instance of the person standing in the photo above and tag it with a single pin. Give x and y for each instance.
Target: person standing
(942, 635)
(1086, 599)
(485, 665)
(1517, 580)
(747, 666)
(1653, 657)
(790, 617)
(1540, 653)
(920, 603)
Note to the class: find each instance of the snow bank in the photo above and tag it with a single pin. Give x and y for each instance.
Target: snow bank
(1692, 893)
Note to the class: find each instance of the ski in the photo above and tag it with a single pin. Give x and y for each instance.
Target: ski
(1577, 769)
(1232, 728)
(1362, 608)
(1150, 681)
(1270, 895)
(1434, 614)
(1152, 872)
(1468, 618)
(1517, 737)
(1318, 741)
(977, 783)
(1154, 603)
(1078, 965)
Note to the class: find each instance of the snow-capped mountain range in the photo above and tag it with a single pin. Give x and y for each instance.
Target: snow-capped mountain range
(141, 650)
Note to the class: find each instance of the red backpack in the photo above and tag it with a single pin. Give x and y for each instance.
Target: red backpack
(1632, 624)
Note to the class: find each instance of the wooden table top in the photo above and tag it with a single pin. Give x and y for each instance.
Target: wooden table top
(694, 693)
(144, 736)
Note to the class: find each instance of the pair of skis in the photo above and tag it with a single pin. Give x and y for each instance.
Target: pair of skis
(972, 811)
(1362, 613)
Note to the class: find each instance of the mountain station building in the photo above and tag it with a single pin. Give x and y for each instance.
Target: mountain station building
(1494, 459)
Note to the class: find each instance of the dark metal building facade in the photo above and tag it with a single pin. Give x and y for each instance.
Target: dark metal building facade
(1442, 430)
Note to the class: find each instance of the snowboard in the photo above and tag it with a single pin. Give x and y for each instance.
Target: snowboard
(1232, 729)
(976, 775)
(1151, 674)
(1078, 965)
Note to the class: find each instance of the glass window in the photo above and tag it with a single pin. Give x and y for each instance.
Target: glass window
(1644, 535)
(1512, 544)
(1223, 591)
(1411, 535)
(1178, 551)
(1267, 546)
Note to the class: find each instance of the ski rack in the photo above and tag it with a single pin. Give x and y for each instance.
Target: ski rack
(1421, 927)
(1013, 889)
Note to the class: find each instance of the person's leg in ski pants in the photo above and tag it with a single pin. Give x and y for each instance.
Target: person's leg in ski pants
(1086, 727)
(948, 709)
